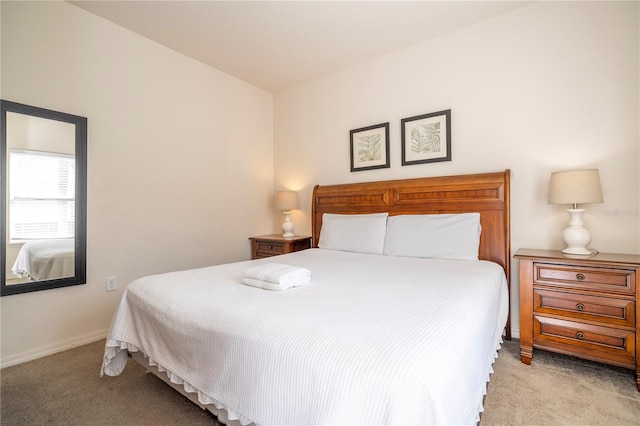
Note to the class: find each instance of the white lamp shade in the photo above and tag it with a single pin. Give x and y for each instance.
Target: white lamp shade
(575, 187)
(286, 200)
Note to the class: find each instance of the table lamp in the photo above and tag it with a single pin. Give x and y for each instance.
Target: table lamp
(575, 187)
(287, 201)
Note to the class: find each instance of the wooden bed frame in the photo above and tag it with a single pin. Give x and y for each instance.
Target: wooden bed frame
(485, 193)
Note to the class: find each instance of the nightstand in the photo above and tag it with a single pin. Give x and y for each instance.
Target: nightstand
(584, 306)
(273, 245)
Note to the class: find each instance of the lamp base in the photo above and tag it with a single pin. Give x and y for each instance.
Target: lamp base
(577, 250)
(287, 225)
(576, 236)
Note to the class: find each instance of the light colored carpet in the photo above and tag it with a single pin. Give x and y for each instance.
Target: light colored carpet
(559, 390)
(65, 389)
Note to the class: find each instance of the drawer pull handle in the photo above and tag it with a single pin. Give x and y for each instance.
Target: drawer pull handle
(580, 277)
(580, 307)
(580, 335)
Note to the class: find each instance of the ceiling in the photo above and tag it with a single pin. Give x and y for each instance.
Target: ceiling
(278, 44)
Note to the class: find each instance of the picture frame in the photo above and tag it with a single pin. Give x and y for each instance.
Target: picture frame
(426, 138)
(370, 147)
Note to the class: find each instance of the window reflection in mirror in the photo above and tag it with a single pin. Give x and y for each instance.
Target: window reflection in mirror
(44, 199)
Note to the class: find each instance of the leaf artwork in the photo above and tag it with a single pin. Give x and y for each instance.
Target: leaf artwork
(369, 148)
(426, 138)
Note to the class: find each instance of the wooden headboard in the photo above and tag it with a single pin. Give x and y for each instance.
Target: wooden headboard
(485, 193)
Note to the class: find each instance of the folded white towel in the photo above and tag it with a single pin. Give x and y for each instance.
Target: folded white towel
(273, 286)
(276, 276)
(276, 272)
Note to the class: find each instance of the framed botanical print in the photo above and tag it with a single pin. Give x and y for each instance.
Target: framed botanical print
(426, 138)
(370, 147)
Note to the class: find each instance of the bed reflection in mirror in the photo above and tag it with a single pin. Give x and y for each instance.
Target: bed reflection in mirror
(43, 210)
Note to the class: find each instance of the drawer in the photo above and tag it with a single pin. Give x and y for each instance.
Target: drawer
(614, 311)
(582, 277)
(269, 248)
(301, 244)
(587, 340)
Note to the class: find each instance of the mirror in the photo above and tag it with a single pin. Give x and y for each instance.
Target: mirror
(43, 159)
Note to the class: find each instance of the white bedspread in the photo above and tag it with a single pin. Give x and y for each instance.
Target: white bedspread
(46, 259)
(370, 340)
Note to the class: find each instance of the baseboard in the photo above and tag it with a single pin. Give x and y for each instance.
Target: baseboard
(515, 333)
(55, 348)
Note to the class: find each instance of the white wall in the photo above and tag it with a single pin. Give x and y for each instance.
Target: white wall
(550, 86)
(180, 162)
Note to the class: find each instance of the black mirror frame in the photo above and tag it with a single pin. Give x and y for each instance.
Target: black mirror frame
(80, 276)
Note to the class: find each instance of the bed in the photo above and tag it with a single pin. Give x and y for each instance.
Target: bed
(378, 336)
(46, 259)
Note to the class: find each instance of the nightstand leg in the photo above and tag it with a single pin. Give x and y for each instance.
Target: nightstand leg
(526, 353)
(526, 311)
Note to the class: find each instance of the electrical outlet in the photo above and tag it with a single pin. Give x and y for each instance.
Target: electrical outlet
(111, 283)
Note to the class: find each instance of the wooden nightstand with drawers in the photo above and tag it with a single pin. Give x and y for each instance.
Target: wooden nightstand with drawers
(273, 245)
(583, 306)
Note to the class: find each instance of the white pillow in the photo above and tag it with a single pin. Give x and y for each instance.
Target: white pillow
(443, 236)
(361, 233)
